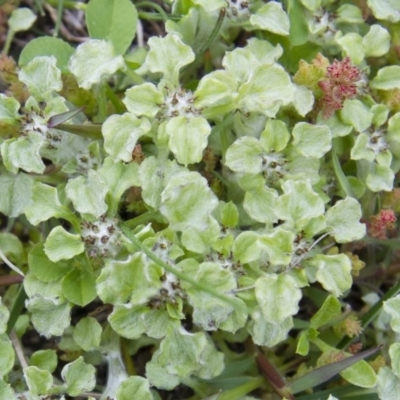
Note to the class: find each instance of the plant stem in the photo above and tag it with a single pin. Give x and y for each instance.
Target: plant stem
(155, 6)
(182, 276)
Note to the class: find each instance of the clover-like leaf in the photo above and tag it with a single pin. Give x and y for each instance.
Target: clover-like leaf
(168, 55)
(278, 245)
(24, 153)
(121, 132)
(268, 88)
(388, 383)
(87, 333)
(343, 220)
(88, 194)
(6, 391)
(7, 356)
(271, 17)
(188, 138)
(376, 42)
(79, 286)
(62, 245)
(42, 77)
(144, 99)
(244, 155)
(15, 193)
(267, 333)
(312, 140)
(278, 297)
(385, 9)
(79, 377)
(4, 315)
(352, 46)
(187, 201)
(21, 19)
(8, 109)
(114, 21)
(93, 61)
(38, 381)
(49, 317)
(134, 384)
(44, 359)
(387, 78)
(356, 114)
(119, 177)
(259, 203)
(392, 307)
(299, 203)
(45, 205)
(333, 272)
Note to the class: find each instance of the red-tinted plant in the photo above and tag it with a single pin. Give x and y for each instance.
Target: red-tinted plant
(379, 225)
(338, 85)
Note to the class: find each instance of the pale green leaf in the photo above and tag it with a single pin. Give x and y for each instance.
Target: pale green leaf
(216, 94)
(6, 391)
(312, 140)
(182, 353)
(114, 21)
(39, 381)
(244, 155)
(246, 247)
(62, 245)
(8, 109)
(42, 77)
(144, 99)
(329, 310)
(376, 42)
(168, 55)
(121, 133)
(154, 174)
(87, 333)
(356, 114)
(46, 205)
(21, 19)
(7, 356)
(242, 61)
(386, 10)
(4, 315)
(43, 268)
(49, 317)
(275, 136)
(119, 177)
(278, 297)
(260, 203)
(267, 333)
(79, 286)
(392, 307)
(94, 61)
(79, 377)
(380, 178)
(229, 214)
(299, 203)
(271, 17)
(268, 88)
(187, 201)
(210, 5)
(352, 47)
(24, 153)
(333, 272)
(134, 384)
(343, 221)
(44, 359)
(303, 100)
(47, 46)
(158, 376)
(15, 193)
(188, 138)
(88, 193)
(128, 321)
(387, 78)
(388, 384)
(394, 352)
(347, 13)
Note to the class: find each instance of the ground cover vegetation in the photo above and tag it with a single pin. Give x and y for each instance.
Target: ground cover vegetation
(198, 199)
